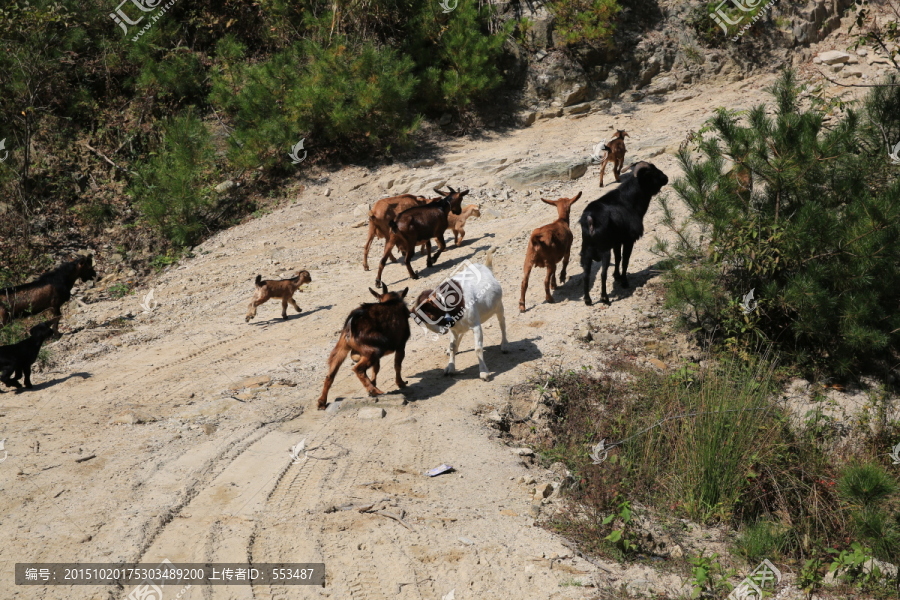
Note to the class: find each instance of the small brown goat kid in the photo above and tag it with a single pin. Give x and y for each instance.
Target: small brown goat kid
(283, 289)
(370, 332)
(615, 152)
(547, 246)
(456, 223)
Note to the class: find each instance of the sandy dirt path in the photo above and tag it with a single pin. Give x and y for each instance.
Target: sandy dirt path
(187, 469)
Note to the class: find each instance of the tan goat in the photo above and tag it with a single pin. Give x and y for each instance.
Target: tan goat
(458, 222)
(615, 152)
(283, 289)
(547, 246)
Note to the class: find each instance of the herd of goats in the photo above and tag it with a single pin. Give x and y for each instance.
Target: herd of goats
(610, 224)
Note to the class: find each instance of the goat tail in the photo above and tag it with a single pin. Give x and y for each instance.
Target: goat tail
(259, 281)
(489, 258)
(393, 225)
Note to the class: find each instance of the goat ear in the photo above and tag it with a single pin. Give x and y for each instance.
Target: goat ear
(376, 294)
(437, 191)
(552, 202)
(452, 191)
(463, 193)
(577, 196)
(404, 292)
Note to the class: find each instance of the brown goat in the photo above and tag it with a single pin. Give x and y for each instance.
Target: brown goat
(547, 246)
(50, 290)
(419, 224)
(370, 332)
(380, 216)
(283, 289)
(456, 223)
(615, 152)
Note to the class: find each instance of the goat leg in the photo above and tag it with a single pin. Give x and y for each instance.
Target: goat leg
(547, 282)
(398, 363)
(368, 244)
(284, 303)
(251, 310)
(294, 304)
(408, 261)
(565, 265)
(528, 266)
(501, 319)
(341, 349)
(387, 252)
(26, 371)
(441, 247)
(617, 252)
(617, 167)
(626, 256)
(604, 267)
(483, 372)
(360, 369)
(586, 265)
(603, 170)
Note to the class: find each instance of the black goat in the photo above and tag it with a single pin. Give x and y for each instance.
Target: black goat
(16, 359)
(615, 222)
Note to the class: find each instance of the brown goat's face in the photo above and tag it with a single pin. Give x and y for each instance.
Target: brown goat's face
(456, 199)
(303, 276)
(86, 268)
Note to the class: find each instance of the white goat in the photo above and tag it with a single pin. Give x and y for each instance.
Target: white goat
(464, 302)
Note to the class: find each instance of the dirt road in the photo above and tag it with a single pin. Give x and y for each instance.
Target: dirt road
(189, 469)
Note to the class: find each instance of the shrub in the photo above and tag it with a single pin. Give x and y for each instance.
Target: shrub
(343, 98)
(172, 189)
(710, 444)
(817, 238)
(585, 21)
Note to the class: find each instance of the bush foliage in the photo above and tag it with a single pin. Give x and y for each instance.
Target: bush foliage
(804, 213)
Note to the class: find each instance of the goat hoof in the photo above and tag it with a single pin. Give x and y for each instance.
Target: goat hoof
(521, 308)
(321, 406)
(402, 384)
(375, 392)
(550, 300)
(588, 302)
(484, 376)
(605, 300)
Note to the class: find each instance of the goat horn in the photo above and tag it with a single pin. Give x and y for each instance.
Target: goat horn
(439, 192)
